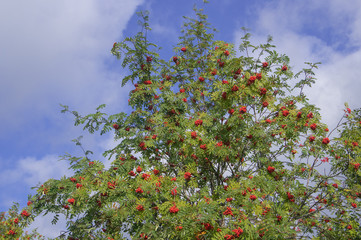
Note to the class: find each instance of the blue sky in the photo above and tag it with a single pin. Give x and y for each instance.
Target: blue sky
(54, 52)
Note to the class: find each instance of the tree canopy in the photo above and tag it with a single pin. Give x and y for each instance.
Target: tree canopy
(221, 144)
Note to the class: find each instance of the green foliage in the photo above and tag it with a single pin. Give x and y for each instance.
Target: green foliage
(217, 147)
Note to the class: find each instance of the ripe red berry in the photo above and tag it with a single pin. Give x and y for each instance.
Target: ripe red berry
(173, 209)
(198, 122)
(253, 197)
(326, 141)
(270, 169)
(140, 208)
(147, 82)
(174, 191)
(263, 91)
(139, 190)
(242, 110)
(285, 113)
(313, 126)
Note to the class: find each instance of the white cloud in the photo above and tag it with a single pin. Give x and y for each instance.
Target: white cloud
(337, 80)
(55, 52)
(31, 171)
(45, 228)
(166, 31)
(108, 144)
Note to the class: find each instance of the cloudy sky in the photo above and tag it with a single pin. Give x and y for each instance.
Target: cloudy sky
(58, 52)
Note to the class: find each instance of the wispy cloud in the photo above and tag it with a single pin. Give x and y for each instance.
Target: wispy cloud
(53, 52)
(45, 228)
(56, 52)
(29, 172)
(299, 33)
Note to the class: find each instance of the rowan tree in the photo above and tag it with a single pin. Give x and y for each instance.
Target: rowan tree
(220, 145)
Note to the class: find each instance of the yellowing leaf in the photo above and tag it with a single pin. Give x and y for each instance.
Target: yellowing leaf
(247, 75)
